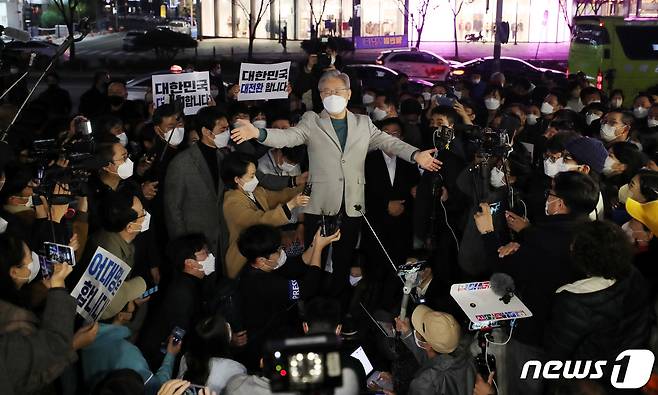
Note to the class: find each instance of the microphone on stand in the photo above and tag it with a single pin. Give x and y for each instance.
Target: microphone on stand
(502, 285)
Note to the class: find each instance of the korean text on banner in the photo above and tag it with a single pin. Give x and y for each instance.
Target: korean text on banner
(192, 88)
(263, 81)
(99, 284)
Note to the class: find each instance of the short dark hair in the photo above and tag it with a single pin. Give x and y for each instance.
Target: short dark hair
(207, 117)
(601, 249)
(280, 117)
(578, 191)
(99, 76)
(235, 165)
(259, 241)
(588, 91)
(558, 143)
(561, 99)
(390, 121)
(12, 255)
(105, 153)
(295, 154)
(448, 112)
(17, 178)
(184, 247)
(208, 340)
(164, 111)
(120, 382)
(322, 313)
(628, 154)
(495, 88)
(117, 210)
(411, 107)
(648, 184)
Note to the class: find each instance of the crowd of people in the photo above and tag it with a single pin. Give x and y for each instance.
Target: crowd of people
(248, 217)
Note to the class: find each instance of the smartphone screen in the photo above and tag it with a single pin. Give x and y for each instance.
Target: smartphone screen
(177, 333)
(363, 358)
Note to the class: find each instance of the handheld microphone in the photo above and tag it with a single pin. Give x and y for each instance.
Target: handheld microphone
(502, 285)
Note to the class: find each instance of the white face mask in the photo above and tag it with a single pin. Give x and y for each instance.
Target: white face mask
(214, 93)
(123, 139)
(3, 225)
(125, 170)
(208, 265)
(552, 168)
(546, 108)
(640, 112)
(608, 132)
(616, 103)
(221, 140)
(531, 119)
(378, 114)
(547, 205)
(289, 168)
(475, 81)
(176, 136)
(458, 94)
(260, 124)
(623, 194)
(427, 96)
(590, 117)
(354, 280)
(491, 103)
(497, 178)
(608, 165)
(33, 267)
(281, 261)
(652, 123)
(250, 185)
(368, 99)
(334, 104)
(419, 344)
(147, 222)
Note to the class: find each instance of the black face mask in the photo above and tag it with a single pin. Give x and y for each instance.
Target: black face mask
(115, 101)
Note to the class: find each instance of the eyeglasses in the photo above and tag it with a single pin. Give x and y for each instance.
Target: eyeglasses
(548, 193)
(329, 92)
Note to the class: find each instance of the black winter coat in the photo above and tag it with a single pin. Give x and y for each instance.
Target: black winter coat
(599, 325)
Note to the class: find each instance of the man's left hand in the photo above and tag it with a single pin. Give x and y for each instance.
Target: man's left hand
(426, 160)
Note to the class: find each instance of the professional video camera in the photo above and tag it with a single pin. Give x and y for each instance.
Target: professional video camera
(77, 150)
(490, 142)
(304, 364)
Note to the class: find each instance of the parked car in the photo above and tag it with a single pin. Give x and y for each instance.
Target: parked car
(178, 27)
(132, 41)
(138, 86)
(380, 78)
(18, 53)
(417, 63)
(509, 66)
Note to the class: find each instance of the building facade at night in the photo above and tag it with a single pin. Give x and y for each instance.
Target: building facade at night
(385, 22)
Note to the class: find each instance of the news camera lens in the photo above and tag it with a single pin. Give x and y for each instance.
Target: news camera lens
(306, 368)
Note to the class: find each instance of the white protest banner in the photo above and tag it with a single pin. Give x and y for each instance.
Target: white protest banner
(99, 283)
(192, 88)
(263, 81)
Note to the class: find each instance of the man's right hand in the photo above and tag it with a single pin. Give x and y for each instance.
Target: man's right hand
(395, 208)
(244, 132)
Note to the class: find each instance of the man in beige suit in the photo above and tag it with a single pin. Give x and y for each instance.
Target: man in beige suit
(338, 142)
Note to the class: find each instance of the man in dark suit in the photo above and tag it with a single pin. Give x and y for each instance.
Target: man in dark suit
(389, 204)
(194, 191)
